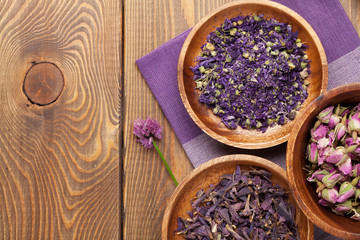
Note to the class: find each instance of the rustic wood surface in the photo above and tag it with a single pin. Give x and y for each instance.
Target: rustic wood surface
(59, 154)
(147, 186)
(70, 169)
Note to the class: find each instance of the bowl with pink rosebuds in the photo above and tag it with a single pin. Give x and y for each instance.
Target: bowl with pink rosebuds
(323, 161)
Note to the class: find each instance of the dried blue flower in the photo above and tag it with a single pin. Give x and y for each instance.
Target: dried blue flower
(251, 72)
(243, 205)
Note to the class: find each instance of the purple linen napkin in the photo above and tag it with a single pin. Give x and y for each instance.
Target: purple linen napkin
(159, 68)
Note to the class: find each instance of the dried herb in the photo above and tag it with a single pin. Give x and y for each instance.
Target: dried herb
(252, 71)
(333, 159)
(243, 205)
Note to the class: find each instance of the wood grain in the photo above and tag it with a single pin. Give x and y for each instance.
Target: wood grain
(352, 9)
(59, 163)
(147, 186)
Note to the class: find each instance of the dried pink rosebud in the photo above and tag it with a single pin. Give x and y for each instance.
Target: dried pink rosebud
(354, 122)
(323, 154)
(330, 194)
(320, 132)
(147, 130)
(347, 190)
(328, 167)
(313, 152)
(323, 142)
(333, 121)
(355, 172)
(344, 112)
(345, 165)
(325, 203)
(340, 131)
(342, 208)
(331, 179)
(349, 141)
(324, 115)
(317, 175)
(337, 155)
(331, 135)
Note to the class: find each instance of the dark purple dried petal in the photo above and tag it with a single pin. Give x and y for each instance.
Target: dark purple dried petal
(239, 209)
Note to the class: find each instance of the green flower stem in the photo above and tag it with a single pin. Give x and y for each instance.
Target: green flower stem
(164, 161)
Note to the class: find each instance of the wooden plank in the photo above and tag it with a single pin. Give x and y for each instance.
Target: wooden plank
(352, 9)
(59, 156)
(148, 186)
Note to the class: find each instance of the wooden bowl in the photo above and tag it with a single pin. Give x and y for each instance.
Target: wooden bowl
(303, 191)
(204, 117)
(209, 173)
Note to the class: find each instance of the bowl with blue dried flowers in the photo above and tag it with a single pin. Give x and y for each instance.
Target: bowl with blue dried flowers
(235, 197)
(247, 69)
(323, 161)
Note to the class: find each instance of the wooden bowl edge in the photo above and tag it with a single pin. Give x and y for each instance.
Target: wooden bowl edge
(180, 76)
(262, 162)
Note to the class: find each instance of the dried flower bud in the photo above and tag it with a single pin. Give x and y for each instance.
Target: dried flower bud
(330, 195)
(333, 121)
(317, 175)
(337, 155)
(354, 122)
(355, 172)
(340, 131)
(320, 132)
(325, 203)
(328, 166)
(312, 152)
(331, 179)
(323, 154)
(323, 142)
(342, 208)
(324, 115)
(349, 141)
(347, 190)
(345, 165)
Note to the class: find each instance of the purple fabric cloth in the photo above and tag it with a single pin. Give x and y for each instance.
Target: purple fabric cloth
(159, 68)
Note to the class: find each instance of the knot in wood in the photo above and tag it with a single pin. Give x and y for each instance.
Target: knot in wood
(43, 83)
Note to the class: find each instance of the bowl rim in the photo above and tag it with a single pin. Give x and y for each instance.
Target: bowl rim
(293, 184)
(191, 35)
(240, 158)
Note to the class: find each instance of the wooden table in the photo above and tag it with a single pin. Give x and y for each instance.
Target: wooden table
(147, 185)
(69, 91)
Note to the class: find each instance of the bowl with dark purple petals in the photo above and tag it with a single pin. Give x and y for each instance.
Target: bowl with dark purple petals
(323, 161)
(247, 70)
(235, 197)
